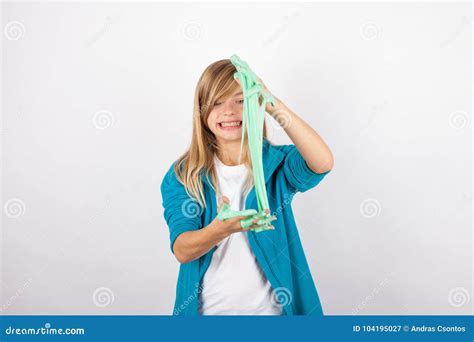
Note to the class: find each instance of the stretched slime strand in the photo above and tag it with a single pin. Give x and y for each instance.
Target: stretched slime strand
(253, 118)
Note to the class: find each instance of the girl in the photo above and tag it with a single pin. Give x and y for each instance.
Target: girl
(226, 270)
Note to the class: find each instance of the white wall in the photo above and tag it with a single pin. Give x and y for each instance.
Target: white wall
(97, 103)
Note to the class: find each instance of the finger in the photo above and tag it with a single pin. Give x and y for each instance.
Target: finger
(246, 223)
(220, 203)
(271, 218)
(263, 216)
(248, 212)
(225, 199)
(261, 226)
(236, 219)
(263, 222)
(263, 84)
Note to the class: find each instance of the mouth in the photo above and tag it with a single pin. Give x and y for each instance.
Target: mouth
(230, 125)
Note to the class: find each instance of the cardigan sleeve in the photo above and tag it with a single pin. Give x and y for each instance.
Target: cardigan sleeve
(181, 212)
(297, 171)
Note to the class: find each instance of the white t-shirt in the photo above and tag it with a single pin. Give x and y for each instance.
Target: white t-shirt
(234, 283)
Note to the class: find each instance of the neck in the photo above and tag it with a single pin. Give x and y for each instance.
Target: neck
(228, 152)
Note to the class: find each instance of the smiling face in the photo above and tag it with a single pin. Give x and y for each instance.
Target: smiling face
(225, 118)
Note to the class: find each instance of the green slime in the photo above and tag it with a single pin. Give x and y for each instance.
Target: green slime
(253, 118)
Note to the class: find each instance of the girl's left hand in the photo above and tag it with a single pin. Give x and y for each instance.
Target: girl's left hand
(278, 104)
(269, 108)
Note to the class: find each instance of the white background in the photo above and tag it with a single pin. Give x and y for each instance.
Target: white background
(97, 103)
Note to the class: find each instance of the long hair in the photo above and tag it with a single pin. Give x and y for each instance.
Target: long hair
(216, 81)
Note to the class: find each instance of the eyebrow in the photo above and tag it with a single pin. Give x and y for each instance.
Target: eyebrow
(233, 95)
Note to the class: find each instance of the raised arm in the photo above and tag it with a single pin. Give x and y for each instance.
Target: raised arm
(312, 147)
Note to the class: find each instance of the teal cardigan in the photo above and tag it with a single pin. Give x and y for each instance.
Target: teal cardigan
(279, 252)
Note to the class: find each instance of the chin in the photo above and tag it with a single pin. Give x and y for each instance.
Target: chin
(229, 138)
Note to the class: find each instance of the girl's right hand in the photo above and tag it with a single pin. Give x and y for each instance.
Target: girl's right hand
(232, 225)
(229, 226)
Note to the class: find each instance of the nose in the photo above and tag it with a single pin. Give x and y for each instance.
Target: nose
(228, 108)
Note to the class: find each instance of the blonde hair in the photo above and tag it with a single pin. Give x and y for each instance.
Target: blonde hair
(216, 81)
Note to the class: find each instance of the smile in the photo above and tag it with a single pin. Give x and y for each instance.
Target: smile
(230, 125)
